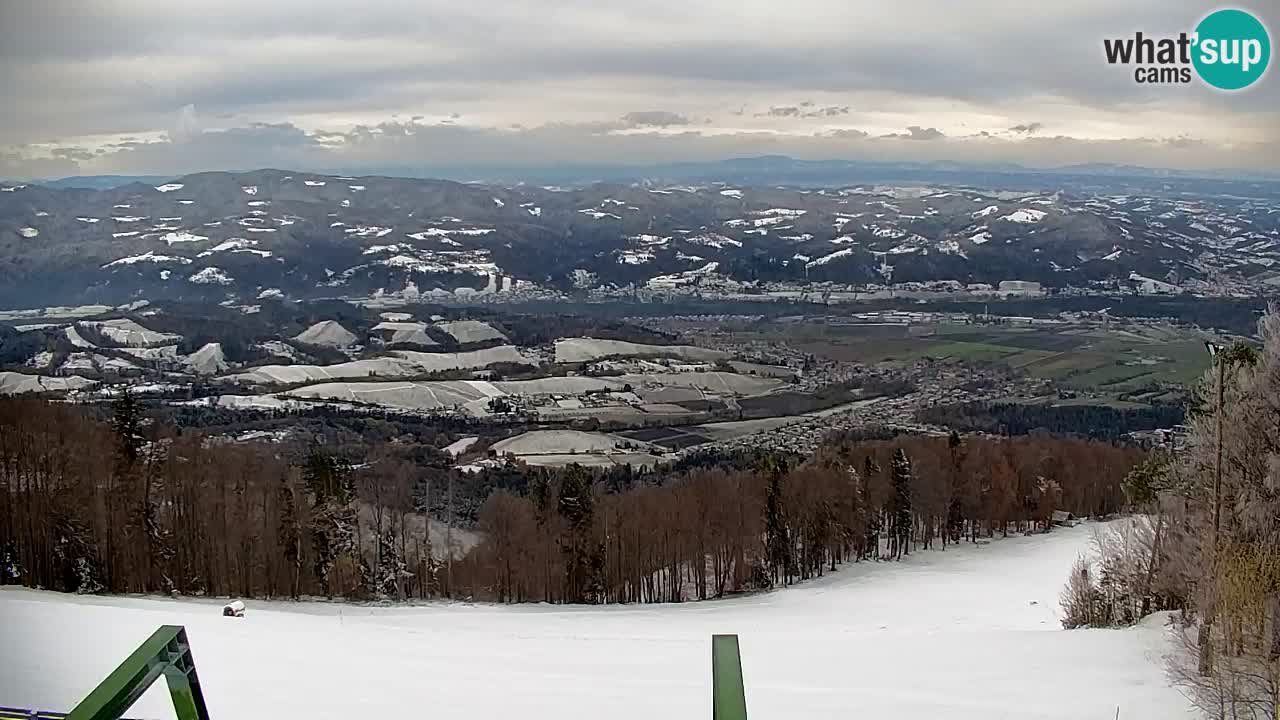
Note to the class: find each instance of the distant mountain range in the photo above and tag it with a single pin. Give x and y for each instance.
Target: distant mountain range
(238, 236)
(780, 169)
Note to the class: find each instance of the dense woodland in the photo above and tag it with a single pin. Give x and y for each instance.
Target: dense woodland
(131, 504)
(1096, 421)
(1206, 543)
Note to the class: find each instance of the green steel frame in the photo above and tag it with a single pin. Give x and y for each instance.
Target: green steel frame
(728, 699)
(166, 653)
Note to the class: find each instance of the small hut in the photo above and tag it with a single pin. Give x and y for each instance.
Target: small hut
(1062, 518)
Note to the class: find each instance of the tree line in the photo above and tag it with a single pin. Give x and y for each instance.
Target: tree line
(135, 505)
(1102, 422)
(1206, 543)
(721, 529)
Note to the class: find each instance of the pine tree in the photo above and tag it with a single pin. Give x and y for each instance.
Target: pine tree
(124, 504)
(126, 423)
(576, 507)
(288, 536)
(391, 570)
(901, 504)
(333, 517)
(871, 469)
(777, 543)
(955, 513)
(76, 556)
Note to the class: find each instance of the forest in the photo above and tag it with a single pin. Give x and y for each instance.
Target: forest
(1096, 421)
(124, 502)
(1203, 543)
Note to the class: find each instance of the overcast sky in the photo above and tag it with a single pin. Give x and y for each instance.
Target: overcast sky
(172, 87)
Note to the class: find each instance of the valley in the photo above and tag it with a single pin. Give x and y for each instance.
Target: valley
(644, 390)
(240, 238)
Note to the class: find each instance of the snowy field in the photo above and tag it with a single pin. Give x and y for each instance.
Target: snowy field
(969, 633)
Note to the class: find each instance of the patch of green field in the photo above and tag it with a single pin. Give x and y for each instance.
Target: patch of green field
(970, 351)
(868, 351)
(1111, 376)
(1116, 359)
(1061, 365)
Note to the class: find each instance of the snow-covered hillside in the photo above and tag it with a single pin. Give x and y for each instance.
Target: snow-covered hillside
(969, 633)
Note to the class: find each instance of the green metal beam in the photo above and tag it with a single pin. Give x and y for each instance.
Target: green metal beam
(728, 699)
(166, 653)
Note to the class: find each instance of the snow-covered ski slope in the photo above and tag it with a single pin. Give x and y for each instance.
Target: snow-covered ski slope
(969, 633)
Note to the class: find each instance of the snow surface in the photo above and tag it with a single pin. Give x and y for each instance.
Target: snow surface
(969, 634)
(714, 240)
(830, 257)
(582, 349)
(127, 333)
(169, 187)
(12, 383)
(551, 442)
(327, 332)
(231, 245)
(470, 331)
(208, 360)
(28, 232)
(1025, 216)
(174, 238)
(148, 256)
(458, 447)
(211, 276)
(395, 332)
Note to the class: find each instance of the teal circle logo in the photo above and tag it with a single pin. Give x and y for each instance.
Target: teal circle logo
(1232, 49)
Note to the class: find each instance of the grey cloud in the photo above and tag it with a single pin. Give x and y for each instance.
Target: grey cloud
(18, 166)
(1027, 129)
(654, 118)
(1020, 56)
(72, 153)
(848, 134)
(780, 111)
(806, 109)
(128, 67)
(915, 132)
(417, 148)
(828, 111)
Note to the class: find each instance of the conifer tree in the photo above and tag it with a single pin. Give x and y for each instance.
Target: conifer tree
(575, 507)
(777, 542)
(126, 422)
(901, 505)
(288, 535)
(391, 569)
(333, 516)
(871, 469)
